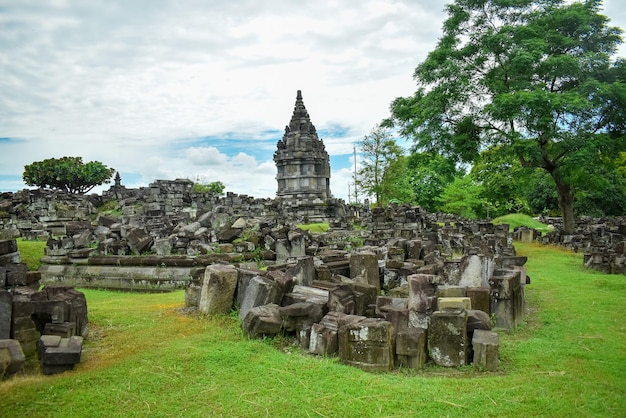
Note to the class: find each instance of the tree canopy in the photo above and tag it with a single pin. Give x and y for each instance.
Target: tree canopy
(535, 78)
(69, 174)
(381, 165)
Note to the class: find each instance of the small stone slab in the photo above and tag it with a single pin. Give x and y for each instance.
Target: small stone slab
(486, 350)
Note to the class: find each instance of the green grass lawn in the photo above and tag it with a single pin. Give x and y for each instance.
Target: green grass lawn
(145, 358)
(31, 252)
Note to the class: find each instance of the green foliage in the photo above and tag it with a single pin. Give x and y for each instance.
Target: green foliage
(144, 356)
(379, 151)
(515, 220)
(532, 77)
(69, 174)
(315, 228)
(428, 174)
(31, 252)
(215, 187)
(462, 197)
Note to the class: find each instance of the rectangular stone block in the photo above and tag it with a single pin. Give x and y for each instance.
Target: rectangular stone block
(411, 348)
(8, 246)
(421, 292)
(454, 304)
(449, 291)
(6, 313)
(16, 274)
(364, 268)
(262, 321)
(480, 298)
(11, 357)
(218, 289)
(447, 337)
(368, 344)
(486, 350)
(259, 291)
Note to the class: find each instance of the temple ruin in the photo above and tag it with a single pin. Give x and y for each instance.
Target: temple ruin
(301, 160)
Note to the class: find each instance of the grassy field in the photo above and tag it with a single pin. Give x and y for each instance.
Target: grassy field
(145, 358)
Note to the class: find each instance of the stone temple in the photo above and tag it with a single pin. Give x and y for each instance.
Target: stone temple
(302, 161)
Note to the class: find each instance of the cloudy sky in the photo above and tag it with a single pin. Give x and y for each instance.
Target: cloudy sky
(202, 89)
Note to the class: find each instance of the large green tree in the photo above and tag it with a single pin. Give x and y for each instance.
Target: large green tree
(378, 151)
(535, 77)
(429, 174)
(69, 174)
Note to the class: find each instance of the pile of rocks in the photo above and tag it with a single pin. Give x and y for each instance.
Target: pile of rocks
(333, 303)
(29, 317)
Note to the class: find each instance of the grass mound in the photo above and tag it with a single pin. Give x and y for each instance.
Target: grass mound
(515, 220)
(314, 228)
(31, 252)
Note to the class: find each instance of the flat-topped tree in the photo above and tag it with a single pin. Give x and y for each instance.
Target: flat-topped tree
(69, 174)
(534, 78)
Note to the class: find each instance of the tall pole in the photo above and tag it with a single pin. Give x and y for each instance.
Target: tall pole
(356, 192)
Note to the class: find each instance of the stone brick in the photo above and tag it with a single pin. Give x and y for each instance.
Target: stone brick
(411, 348)
(11, 357)
(8, 246)
(364, 268)
(6, 313)
(262, 321)
(454, 303)
(447, 338)
(421, 292)
(368, 344)
(480, 298)
(259, 291)
(300, 316)
(486, 350)
(218, 289)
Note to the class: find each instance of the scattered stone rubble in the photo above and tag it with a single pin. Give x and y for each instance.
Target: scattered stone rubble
(603, 241)
(51, 322)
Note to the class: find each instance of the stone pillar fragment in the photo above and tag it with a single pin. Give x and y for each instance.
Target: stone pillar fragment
(11, 357)
(6, 311)
(260, 291)
(486, 346)
(364, 268)
(447, 337)
(262, 321)
(218, 289)
(411, 348)
(368, 344)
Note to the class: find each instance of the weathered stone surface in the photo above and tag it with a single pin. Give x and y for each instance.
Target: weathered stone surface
(507, 298)
(307, 294)
(364, 268)
(368, 344)
(57, 354)
(6, 313)
(448, 291)
(453, 303)
(138, 240)
(16, 274)
(259, 291)
(486, 350)
(323, 339)
(480, 297)
(11, 357)
(300, 316)
(422, 292)
(411, 348)
(341, 299)
(8, 246)
(303, 271)
(447, 338)
(192, 296)
(262, 321)
(218, 289)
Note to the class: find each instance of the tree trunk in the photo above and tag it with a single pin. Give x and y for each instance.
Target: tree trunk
(566, 202)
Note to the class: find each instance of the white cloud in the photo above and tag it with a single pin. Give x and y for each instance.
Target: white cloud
(134, 84)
